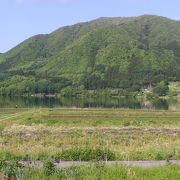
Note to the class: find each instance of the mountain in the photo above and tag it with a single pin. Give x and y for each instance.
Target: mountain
(126, 53)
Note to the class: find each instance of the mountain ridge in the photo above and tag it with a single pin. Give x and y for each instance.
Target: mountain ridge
(102, 53)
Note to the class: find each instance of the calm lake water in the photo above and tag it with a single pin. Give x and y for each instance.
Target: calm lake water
(51, 102)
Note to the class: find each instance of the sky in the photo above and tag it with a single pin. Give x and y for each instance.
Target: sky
(21, 19)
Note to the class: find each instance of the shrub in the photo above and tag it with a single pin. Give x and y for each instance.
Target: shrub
(86, 154)
(159, 156)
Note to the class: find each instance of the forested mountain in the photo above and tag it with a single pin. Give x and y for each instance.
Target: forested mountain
(124, 53)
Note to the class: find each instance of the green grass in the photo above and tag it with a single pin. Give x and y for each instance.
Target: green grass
(97, 171)
(92, 117)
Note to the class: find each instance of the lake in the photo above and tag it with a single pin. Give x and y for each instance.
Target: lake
(52, 102)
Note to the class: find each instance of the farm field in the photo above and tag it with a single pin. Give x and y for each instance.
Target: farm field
(78, 134)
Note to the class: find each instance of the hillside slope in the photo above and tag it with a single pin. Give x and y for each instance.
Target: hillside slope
(126, 53)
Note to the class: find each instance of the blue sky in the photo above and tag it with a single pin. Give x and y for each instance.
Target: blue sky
(21, 19)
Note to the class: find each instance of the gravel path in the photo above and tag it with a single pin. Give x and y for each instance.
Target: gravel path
(143, 164)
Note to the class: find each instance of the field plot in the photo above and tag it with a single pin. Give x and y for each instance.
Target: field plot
(80, 134)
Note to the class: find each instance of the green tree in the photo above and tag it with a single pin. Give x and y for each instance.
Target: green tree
(161, 88)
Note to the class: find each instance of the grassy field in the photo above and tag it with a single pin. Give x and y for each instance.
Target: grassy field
(91, 135)
(128, 134)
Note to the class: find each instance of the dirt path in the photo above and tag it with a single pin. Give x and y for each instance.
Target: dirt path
(142, 164)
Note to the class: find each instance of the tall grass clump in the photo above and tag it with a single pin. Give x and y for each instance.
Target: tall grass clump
(48, 168)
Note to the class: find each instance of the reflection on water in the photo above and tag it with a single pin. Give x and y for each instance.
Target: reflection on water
(132, 103)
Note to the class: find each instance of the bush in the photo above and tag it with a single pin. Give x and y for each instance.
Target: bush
(86, 154)
(159, 156)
